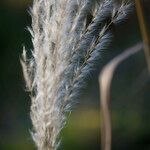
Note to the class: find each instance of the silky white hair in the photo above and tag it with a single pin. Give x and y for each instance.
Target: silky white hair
(69, 37)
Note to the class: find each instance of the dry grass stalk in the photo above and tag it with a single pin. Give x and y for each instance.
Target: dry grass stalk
(68, 37)
(144, 31)
(105, 80)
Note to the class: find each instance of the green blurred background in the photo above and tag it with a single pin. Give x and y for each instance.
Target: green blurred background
(130, 103)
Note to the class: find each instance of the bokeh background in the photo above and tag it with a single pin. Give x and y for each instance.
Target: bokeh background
(130, 101)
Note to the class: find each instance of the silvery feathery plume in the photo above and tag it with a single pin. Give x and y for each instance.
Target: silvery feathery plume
(69, 37)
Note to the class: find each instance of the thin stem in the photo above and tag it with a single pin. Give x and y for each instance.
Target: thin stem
(105, 81)
(144, 31)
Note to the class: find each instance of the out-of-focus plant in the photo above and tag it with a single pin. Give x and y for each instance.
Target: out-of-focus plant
(105, 81)
(106, 76)
(69, 37)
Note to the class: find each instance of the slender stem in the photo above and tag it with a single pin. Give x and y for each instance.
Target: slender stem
(105, 81)
(144, 31)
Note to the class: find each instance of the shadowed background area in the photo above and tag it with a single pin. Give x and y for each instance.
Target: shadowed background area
(130, 98)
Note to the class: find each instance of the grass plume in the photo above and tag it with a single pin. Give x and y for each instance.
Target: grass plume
(69, 37)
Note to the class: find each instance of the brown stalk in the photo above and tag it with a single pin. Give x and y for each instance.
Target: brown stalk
(144, 31)
(105, 79)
